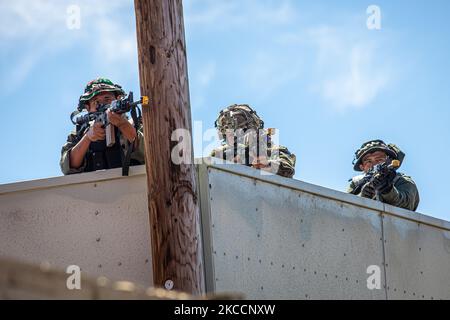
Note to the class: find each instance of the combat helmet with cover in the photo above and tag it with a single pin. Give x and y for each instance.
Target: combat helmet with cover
(391, 150)
(96, 87)
(238, 116)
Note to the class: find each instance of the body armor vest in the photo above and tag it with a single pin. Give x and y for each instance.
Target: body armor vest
(100, 157)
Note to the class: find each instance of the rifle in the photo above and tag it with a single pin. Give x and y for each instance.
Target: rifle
(376, 171)
(118, 106)
(258, 144)
(251, 145)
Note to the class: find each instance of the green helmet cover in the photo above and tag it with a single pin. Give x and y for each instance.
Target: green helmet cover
(96, 87)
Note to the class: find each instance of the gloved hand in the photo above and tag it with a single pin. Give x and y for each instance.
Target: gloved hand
(384, 183)
(96, 132)
(368, 191)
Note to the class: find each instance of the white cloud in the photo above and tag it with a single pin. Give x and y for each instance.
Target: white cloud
(358, 86)
(24, 18)
(346, 70)
(20, 73)
(32, 19)
(351, 72)
(264, 71)
(283, 13)
(211, 14)
(115, 44)
(340, 62)
(224, 15)
(25, 31)
(38, 29)
(267, 73)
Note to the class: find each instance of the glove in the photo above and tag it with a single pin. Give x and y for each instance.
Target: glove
(384, 183)
(368, 191)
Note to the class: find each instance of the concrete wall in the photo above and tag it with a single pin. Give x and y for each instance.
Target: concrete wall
(271, 237)
(98, 221)
(264, 236)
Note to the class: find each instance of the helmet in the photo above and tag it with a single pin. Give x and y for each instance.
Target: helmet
(372, 146)
(97, 86)
(238, 116)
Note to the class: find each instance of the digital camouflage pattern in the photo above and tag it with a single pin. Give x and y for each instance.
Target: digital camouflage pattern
(72, 140)
(280, 161)
(281, 158)
(241, 117)
(404, 193)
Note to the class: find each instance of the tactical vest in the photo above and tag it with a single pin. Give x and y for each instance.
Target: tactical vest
(100, 157)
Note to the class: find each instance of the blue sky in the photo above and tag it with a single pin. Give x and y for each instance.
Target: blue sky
(312, 69)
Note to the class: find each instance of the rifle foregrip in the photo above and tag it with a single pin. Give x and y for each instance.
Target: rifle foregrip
(110, 135)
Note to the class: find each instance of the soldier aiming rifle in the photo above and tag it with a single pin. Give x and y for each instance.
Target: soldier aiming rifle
(380, 180)
(245, 141)
(87, 149)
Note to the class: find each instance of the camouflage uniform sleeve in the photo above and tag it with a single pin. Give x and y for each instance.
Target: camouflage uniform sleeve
(283, 160)
(64, 162)
(354, 184)
(217, 152)
(138, 153)
(404, 194)
(351, 186)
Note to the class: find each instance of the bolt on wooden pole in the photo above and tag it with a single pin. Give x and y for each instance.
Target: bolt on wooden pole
(173, 199)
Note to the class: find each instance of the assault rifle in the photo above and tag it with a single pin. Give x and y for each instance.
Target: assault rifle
(118, 106)
(250, 146)
(380, 170)
(258, 144)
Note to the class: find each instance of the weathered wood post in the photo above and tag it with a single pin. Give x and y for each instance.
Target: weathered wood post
(173, 201)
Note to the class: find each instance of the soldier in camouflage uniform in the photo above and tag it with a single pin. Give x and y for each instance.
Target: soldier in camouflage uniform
(87, 151)
(241, 129)
(394, 188)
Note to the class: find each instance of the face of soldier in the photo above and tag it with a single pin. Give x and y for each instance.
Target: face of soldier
(372, 159)
(102, 98)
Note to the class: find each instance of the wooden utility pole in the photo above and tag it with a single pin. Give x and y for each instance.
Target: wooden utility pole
(173, 199)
